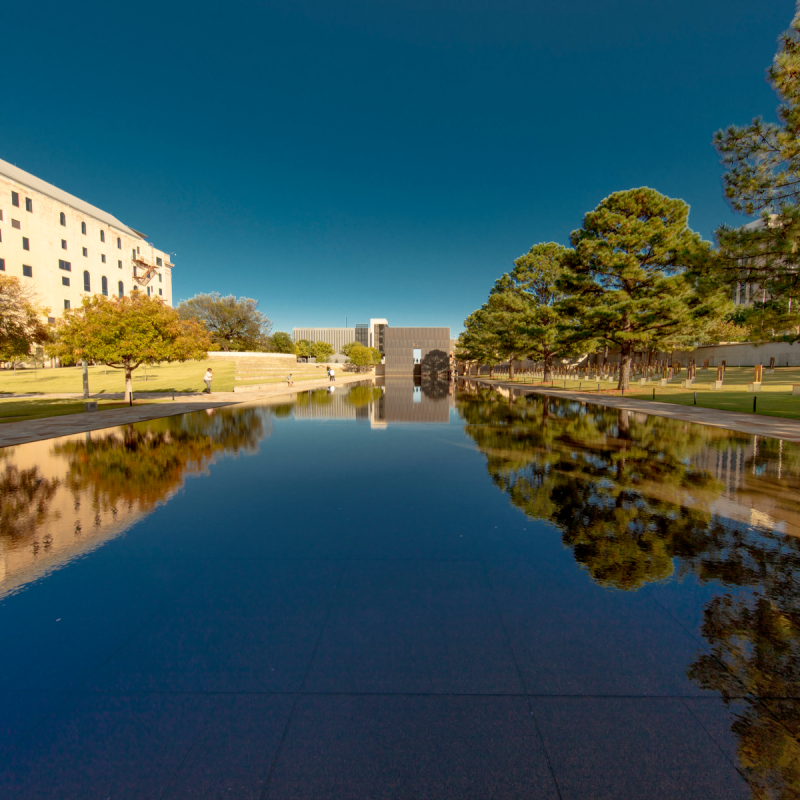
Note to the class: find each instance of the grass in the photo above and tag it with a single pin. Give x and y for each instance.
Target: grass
(40, 408)
(775, 398)
(186, 377)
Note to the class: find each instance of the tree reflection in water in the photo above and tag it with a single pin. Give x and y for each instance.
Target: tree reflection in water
(634, 504)
(144, 463)
(25, 497)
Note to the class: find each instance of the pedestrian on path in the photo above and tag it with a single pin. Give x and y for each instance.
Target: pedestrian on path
(289, 381)
(332, 375)
(208, 377)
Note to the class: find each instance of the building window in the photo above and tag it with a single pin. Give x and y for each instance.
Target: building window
(1, 214)
(148, 291)
(158, 262)
(137, 251)
(64, 280)
(102, 236)
(63, 244)
(103, 258)
(85, 252)
(26, 243)
(15, 224)
(121, 289)
(104, 285)
(159, 278)
(83, 227)
(51, 320)
(160, 292)
(119, 243)
(133, 256)
(65, 265)
(27, 271)
(62, 218)
(15, 199)
(119, 264)
(66, 304)
(87, 281)
(2, 265)
(28, 204)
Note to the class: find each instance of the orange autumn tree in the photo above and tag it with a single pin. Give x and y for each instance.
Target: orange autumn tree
(126, 332)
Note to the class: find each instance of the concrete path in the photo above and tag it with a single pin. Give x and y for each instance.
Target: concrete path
(773, 427)
(34, 430)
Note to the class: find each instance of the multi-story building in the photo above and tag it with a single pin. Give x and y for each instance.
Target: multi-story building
(370, 335)
(68, 249)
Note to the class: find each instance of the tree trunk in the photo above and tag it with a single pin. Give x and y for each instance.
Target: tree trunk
(625, 367)
(511, 368)
(548, 366)
(491, 372)
(128, 384)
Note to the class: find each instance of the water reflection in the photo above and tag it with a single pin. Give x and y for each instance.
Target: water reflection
(63, 497)
(640, 499)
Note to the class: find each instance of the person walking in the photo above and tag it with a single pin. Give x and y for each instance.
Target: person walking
(332, 375)
(208, 377)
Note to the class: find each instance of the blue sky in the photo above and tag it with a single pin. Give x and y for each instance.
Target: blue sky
(368, 158)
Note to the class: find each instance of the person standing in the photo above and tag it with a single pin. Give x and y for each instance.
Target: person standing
(332, 375)
(208, 377)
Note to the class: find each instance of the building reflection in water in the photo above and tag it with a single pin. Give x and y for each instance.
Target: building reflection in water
(639, 500)
(61, 498)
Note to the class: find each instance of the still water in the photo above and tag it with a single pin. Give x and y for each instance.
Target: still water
(399, 591)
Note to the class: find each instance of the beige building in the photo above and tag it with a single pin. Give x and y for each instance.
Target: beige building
(68, 249)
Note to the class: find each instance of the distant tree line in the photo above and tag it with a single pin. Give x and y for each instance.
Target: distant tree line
(637, 278)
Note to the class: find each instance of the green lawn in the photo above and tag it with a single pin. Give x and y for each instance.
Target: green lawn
(775, 398)
(39, 408)
(186, 377)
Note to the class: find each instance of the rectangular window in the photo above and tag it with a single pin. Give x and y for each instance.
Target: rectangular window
(103, 258)
(27, 271)
(65, 265)
(133, 256)
(119, 264)
(159, 278)
(85, 252)
(158, 262)
(28, 204)
(148, 291)
(15, 199)
(51, 320)
(102, 236)
(64, 280)
(26, 243)
(63, 244)
(1, 235)
(160, 292)
(66, 304)
(1, 214)
(2, 265)
(15, 224)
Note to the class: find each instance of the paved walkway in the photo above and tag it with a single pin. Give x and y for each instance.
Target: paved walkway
(34, 430)
(773, 427)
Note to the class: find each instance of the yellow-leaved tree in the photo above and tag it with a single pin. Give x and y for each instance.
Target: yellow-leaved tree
(126, 332)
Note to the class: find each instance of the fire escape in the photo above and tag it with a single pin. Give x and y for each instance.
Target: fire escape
(143, 271)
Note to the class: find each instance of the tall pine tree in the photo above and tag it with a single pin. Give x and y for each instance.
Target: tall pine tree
(628, 284)
(762, 163)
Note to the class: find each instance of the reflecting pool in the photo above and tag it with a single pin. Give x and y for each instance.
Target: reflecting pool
(401, 590)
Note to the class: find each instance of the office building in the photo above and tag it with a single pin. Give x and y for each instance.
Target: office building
(369, 334)
(68, 249)
(416, 351)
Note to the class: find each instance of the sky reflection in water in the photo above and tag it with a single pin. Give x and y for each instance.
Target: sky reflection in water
(704, 522)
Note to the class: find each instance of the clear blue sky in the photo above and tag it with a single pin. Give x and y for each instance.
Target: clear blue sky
(362, 157)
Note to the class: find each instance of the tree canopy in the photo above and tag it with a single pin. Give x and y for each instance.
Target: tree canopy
(281, 342)
(22, 322)
(126, 332)
(363, 358)
(627, 280)
(762, 175)
(233, 323)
